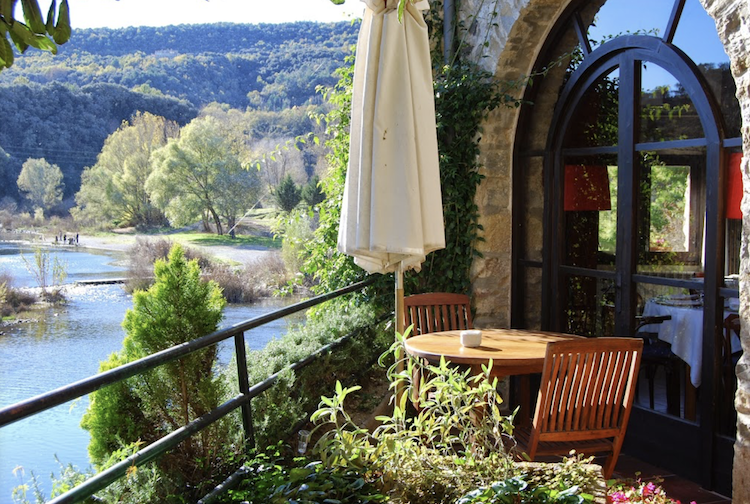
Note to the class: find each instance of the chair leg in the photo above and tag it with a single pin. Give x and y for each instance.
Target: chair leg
(650, 376)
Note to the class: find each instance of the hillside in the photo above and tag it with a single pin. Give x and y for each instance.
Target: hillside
(266, 66)
(63, 107)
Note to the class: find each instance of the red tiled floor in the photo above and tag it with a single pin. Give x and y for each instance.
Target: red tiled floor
(677, 488)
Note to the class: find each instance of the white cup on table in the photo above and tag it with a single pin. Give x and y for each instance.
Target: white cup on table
(471, 338)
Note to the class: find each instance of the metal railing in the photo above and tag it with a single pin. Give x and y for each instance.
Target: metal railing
(34, 405)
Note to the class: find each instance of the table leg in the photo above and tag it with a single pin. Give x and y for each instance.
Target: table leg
(524, 414)
(691, 397)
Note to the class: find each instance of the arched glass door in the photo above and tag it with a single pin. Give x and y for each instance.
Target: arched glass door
(637, 229)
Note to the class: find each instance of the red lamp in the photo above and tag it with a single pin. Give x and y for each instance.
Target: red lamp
(734, 186)
(586, 188)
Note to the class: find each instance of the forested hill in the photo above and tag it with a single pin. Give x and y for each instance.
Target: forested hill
(264, 66)
(63, 107)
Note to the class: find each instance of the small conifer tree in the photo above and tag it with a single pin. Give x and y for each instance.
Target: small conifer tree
(177, 308)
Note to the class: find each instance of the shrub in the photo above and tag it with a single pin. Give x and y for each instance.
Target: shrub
(274, 479)
(177, 308)
(144, 253)
(298, 233)
(48, 271)
(295, 395)
(16, 300)
(265, 275)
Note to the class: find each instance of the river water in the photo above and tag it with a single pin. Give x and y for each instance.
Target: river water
(66, 344)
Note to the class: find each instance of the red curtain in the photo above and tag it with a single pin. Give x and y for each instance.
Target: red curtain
(734, 186)
(586, 188)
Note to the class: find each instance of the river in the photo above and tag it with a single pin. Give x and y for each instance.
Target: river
(66, 344)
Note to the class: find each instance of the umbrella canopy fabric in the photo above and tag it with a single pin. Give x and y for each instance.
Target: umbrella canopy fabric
(392, 212)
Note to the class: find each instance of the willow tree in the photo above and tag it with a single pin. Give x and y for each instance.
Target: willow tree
(201, 174)
(113, 190)
(41, 182)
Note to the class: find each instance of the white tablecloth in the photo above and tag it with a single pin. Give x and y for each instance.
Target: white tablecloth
(684, 332)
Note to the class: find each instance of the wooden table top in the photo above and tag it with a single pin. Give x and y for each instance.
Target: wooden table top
(513, 351)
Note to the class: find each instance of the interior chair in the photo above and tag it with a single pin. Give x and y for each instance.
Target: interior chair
(585, 399)
(728, 381)
(656, 354)
(437, 311)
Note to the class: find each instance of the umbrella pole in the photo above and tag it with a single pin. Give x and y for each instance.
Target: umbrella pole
(399, 310)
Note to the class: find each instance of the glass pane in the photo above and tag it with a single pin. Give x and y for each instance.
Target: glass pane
(590, 211)
(588, 306)
(696, 35)
(667, 113)
(671, 210)
(594, 122)
(618, 17)
(669, 323)
(729, 349)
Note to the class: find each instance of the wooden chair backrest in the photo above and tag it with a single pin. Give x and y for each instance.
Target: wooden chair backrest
(587, 389)
(437, 311)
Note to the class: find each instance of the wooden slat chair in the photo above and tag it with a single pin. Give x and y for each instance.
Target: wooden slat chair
(434, 312)
(585, 398)
(437, 311)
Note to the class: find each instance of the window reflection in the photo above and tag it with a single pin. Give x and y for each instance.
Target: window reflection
(667, 113)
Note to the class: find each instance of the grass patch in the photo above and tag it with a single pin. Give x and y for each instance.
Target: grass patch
(208, 240)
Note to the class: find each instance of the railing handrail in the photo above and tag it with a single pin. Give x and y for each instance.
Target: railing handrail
(61, 395)
(77, 389)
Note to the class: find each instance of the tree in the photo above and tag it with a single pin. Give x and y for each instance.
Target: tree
(312, 194)
(287, 194)
(114, 188)
(178, 307)
(42, 183)
(201, 174)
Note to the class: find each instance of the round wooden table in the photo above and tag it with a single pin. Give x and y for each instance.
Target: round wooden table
(512, 351)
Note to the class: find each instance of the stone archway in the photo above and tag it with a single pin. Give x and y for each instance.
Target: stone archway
(509, 45)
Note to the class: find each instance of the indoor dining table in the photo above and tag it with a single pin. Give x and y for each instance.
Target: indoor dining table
(512, 351)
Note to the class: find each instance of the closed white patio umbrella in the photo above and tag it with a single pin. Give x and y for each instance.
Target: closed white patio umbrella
(392, 212)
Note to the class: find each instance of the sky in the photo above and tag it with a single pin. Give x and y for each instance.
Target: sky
(122, 13)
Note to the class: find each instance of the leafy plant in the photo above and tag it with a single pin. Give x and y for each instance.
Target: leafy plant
(451, 445)
(295, 395)
(48, 271)
(271, 479)
(35, 31)
(517, 491)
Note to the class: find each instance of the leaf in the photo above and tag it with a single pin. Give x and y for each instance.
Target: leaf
(33, 16)
(62, 27)
(50, 25)
(29, 38)
(6, 8)
(6, 53)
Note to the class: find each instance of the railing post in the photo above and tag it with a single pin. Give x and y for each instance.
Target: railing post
(244, 383)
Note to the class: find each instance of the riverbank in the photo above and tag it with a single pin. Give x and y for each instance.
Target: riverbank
(240, 254)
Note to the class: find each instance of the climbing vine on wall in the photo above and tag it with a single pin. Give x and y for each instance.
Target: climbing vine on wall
(464, 96)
